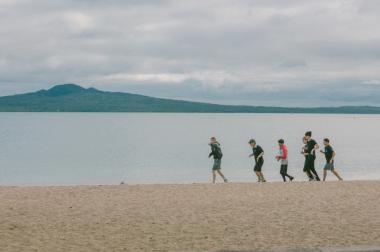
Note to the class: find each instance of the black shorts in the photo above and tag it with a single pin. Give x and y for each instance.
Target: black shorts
(284, 169)
(309, 163)
(305, 166)
(258, 166)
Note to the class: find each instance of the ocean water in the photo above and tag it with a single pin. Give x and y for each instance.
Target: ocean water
(107, 148)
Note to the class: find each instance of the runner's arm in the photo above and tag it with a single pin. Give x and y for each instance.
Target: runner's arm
(333, 156)
(260, 155)
(212, 152)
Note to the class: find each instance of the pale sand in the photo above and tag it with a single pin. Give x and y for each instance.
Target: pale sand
(199, 217)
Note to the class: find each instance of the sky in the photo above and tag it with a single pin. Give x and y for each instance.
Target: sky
(254, 52)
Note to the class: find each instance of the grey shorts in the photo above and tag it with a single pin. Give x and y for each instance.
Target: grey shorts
(217, 164)
(329, 167)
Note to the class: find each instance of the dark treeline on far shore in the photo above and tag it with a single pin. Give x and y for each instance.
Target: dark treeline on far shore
(74, 98)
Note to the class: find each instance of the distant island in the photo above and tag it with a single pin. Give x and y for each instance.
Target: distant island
(74, 98)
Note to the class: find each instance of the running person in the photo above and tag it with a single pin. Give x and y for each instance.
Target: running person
(283, 158)
(258, 153)
(330, 156)
(216, 152)
(304, 153)
(312, 146)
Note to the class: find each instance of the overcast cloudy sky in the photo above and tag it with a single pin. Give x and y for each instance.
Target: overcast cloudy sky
(258, 52)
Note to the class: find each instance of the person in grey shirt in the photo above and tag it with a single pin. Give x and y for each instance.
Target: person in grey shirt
(216, 152)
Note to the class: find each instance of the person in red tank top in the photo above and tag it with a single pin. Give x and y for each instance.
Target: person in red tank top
(283, 158)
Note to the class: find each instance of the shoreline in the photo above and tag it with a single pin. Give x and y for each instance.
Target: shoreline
(186, 183)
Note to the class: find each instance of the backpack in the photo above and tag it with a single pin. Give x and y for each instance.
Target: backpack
(218, 151)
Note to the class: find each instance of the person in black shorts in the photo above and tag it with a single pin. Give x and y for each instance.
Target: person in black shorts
(312, 146)
(304, 153)
(258, 154)
(216, 152)
(330, 156)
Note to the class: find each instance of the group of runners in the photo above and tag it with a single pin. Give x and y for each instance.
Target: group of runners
(308, 151)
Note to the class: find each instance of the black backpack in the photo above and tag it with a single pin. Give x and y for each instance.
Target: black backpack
(218, 151)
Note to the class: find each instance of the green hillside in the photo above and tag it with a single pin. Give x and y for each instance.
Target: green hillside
(74, 98)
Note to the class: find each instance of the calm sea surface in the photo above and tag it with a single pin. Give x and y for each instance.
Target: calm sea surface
(106, 148)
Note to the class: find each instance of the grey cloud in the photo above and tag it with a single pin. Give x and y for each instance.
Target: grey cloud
(242, 52)
(320, 94)
(293, 63)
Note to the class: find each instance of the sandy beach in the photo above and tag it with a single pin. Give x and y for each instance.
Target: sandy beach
(197, 217)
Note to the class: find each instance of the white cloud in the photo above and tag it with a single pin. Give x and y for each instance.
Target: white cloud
(77, 21)
(215, 78)
(372, 82)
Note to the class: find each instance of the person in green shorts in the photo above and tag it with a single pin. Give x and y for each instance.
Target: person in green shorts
(330, 156)
(216, 152)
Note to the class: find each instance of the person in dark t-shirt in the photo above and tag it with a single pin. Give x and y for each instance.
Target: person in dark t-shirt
(312, 146)
(257, 153)
(304, 153)
(216, 153)
(330, 155)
